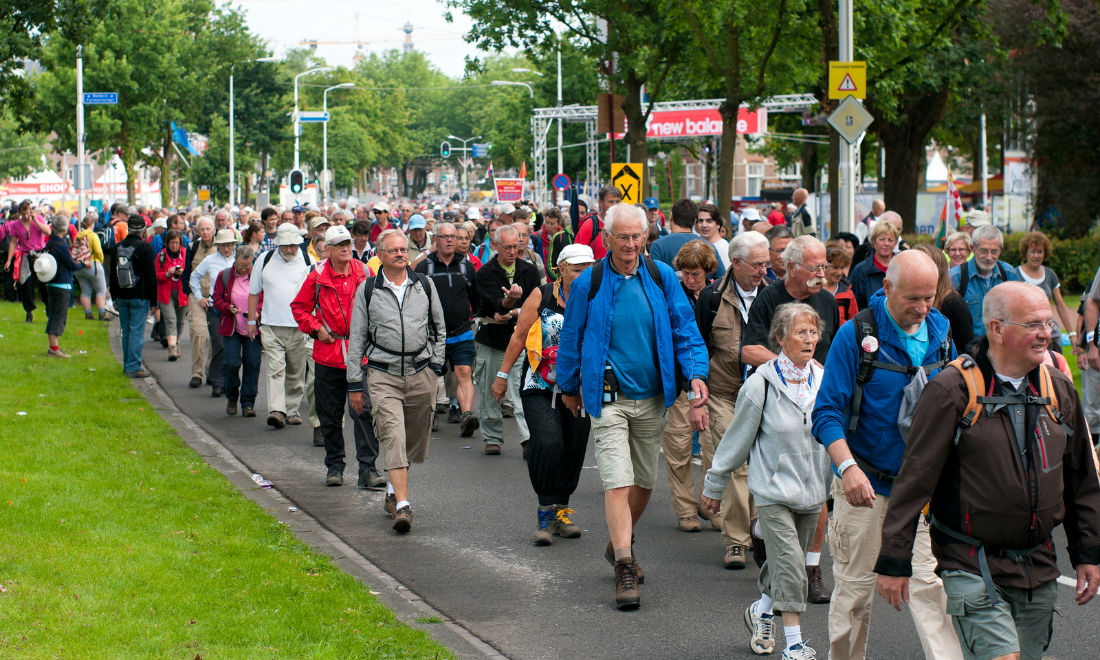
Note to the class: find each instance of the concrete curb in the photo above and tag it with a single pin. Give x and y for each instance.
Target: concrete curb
(406, 605)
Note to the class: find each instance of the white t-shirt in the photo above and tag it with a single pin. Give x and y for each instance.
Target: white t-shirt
(280, 281)
(747, 297)
(398, 289)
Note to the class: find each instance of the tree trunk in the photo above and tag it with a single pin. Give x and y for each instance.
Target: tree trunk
(129, 165)
(638, 149)
(727, 146)
(166, 168)
(904, 141)
(810, 165)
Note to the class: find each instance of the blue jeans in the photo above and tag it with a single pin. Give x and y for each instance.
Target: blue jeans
(240, 349)
(131, 318)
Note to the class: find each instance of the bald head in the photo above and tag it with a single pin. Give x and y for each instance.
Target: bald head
(1007, 299)
(894, 218)
(1017, 320)
(762, 227)
(878, 207)
(910, 288)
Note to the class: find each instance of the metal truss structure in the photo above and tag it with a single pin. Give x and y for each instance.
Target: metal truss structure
(543, 118)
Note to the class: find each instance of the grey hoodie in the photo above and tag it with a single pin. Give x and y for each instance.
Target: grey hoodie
(392, 326)
(786, 465)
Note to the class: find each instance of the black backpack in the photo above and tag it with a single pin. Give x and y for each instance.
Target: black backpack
(124, 267)
(964, 276)
(597, 276)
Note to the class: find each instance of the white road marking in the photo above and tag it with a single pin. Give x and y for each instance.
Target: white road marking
(1067, 581)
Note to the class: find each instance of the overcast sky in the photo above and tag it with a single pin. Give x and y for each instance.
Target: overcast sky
(286, 23)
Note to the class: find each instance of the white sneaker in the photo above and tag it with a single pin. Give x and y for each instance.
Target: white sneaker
(799, 652)
(763, 637)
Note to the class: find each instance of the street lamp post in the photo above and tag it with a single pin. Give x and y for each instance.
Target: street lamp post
(498, 83)
(297, 126)
(232, 149)
(464, 149)
(324, 159)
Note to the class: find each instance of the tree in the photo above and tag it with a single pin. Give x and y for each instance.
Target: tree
(20, 153)
(736, 49)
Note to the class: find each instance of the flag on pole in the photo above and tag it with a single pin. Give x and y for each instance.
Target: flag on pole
(952, 217)
(489, 172)
(523, 170)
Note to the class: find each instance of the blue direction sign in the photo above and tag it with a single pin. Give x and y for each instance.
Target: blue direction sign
(480, 150)
(561, 182)
(100, 98)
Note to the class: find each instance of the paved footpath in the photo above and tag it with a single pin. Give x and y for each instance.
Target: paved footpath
(469, 554)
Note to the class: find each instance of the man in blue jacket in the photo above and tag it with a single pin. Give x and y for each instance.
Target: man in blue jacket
(973, 279)
(864, 442)
(628, 326)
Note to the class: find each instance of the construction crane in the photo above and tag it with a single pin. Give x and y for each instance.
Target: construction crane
(360, 52)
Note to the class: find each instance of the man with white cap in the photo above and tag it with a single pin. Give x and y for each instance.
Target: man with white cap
(381, 213)
(206, 271)
(322, 310)
(276, 279)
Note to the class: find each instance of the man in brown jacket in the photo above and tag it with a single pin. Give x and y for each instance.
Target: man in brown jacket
(722, 324)
(995, 500)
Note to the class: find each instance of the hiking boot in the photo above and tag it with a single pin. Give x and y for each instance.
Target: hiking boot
(715, 522)
(760, 625)
(318, 437)
(248, 411)
(609, 555)
(735, 558)
(57, 353)
(334, 477)
(173, 353)
(562, 525)
(390, 505)
(217, 391)
(543, 534)
(140, 373)
(371, 478)
(799, 651)
(88, 315)
(759, 550)
(454, 415)
(523, 447)
(507, 410)
(492, 450)
(276, 419)
(30, 317)
(440, 408)
(195, 382)
(816, 592)
(627, 596)
(294, 420)
(469, 423)
(104, 316)
(403, 519)
(690, 525)
(435, 422)
(231, 408)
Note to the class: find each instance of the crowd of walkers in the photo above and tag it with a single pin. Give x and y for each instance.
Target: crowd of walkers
(909, 406)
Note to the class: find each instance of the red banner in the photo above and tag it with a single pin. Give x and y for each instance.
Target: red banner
(700, 123)
(509, 190)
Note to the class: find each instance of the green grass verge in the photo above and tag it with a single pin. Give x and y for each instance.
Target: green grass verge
(118, 541)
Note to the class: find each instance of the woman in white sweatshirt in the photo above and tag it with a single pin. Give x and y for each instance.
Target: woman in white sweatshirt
(771, 429)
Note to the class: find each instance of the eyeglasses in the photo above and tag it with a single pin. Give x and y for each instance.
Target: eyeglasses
(507, 248)
(806, 334)
(448, 237)
(988, 252)
(1035, 327)
(758, 265)
(396, 251)
(815, 269)
(629, 238)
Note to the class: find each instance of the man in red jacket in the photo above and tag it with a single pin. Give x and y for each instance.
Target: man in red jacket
(322, 310)
(590, 230)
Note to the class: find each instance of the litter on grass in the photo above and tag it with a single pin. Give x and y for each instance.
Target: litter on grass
(21, 413)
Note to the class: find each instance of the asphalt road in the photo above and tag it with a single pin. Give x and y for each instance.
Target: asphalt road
(469, 554)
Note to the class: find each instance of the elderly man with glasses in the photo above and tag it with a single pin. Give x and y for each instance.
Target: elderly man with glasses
(974, 279)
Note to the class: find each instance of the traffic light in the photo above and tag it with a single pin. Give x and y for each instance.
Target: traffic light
(297, 182)
(445, 150)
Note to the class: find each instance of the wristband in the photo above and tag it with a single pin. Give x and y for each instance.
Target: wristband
(502, 374)
(251, 323)
(1090, 336)
(845, 465)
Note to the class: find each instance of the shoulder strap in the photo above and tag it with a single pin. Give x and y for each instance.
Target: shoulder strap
(597, 279)
(425, 282)
(1046, 390)
(654, 272)
(975, 385)
(431, 265)
(865, 326)
(964, 277)
(225, 277)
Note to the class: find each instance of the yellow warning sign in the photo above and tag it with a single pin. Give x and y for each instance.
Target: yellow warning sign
(847, 79)
(627, 177)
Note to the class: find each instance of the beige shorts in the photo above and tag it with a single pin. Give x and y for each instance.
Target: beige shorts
(627, 439)
(401, 407)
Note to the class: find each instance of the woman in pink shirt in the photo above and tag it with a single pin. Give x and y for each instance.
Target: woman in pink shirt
(231, 300)
(28, 234)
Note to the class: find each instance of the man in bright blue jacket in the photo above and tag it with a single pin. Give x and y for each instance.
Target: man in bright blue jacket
(619, 349)
(909, 333)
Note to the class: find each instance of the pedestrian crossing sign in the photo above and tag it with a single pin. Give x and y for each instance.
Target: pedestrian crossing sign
(847, 79)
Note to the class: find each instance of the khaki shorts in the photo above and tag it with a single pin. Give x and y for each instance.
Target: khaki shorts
(627, 439)
(401, 407)
(1020, 622)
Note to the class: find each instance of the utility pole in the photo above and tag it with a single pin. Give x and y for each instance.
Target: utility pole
(232, 173)
(81, 195)
(464, 149)
(847, 187)
(561, 165)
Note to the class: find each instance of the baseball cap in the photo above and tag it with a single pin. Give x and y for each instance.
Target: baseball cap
(336, 235)
(319, 221)
(417, 221)
(575, 253)
(473, 213)
(651, 203)
(750, 213)
(161, 223)
(381, 206)
(287, 234)
(298, 209)
(507, 209)
(977, 218)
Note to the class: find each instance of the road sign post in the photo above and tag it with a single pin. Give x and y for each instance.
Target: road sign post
(561, 182)
(100, 98)
(627, 177)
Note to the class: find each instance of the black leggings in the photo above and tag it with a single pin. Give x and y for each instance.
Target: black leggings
(26, 292)
(555, 452)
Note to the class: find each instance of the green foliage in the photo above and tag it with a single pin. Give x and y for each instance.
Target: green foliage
(1074, 260)
(121, 542)
(20, 153)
